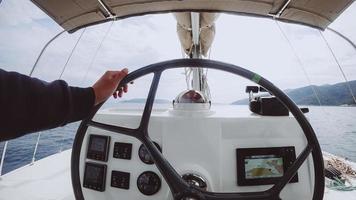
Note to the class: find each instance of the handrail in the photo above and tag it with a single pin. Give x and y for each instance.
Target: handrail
(35, 151)
(31, 73)
(342, 36)
(3, 158)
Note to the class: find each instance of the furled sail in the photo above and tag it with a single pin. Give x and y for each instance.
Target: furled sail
(206, 31)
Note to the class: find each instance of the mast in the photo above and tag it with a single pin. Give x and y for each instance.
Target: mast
(197, 72)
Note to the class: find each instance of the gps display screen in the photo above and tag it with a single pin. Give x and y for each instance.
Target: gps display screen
(263, 166)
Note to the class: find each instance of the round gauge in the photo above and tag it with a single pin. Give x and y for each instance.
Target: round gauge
(148, 183)
(145, 156)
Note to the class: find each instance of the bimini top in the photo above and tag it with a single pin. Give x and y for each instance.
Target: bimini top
(75, 14)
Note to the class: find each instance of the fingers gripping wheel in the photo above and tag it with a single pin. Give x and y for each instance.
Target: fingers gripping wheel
(179, 188)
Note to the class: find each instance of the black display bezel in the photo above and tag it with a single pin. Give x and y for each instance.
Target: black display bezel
(98, 186)
(98, 155)
(120, 175)
(286, 153)
(118, 146)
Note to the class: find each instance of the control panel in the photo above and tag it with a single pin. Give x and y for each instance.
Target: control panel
(96, 172)
(230, 150)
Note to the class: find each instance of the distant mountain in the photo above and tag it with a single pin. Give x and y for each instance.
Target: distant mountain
(143, 100)
(329, 95)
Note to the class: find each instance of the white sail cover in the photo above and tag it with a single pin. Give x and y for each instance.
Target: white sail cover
(75, 14)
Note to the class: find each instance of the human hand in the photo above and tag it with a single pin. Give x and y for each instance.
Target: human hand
(107, 85)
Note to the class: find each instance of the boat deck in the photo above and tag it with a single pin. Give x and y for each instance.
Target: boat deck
(46, 179)
(49, 179)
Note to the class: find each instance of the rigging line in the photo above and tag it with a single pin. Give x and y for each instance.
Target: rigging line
(209, 57)
(206, 88)
(71, 53)
(339, 65)
(186, 69)
(206, 74)
(96, 52)
(300, 62)
(60, 76)
(187, 72)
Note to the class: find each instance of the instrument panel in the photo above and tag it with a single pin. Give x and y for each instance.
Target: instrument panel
(229, 153)
(148, 182)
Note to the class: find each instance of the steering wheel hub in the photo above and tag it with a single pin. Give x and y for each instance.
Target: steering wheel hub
(196, 181)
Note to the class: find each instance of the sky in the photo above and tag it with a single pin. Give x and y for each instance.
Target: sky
(253, 43)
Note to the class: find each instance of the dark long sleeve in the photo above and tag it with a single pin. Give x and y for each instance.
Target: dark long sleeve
(28, 104)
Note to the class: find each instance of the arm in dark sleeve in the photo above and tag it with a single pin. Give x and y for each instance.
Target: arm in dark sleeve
(28, 104)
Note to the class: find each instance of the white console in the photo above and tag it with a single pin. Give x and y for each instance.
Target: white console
(198, 142)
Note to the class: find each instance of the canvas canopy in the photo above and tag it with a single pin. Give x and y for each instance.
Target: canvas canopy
(75, 14)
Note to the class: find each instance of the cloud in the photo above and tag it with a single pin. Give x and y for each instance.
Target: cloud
(126, 45)
(345, 23)
(19, 12)
(253, 43)
(24, 30)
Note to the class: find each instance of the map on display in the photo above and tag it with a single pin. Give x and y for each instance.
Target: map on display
(263, 166)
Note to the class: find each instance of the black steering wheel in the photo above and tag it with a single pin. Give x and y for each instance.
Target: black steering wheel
(179, 188)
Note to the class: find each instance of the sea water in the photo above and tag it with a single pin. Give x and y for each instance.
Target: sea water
(335, 128)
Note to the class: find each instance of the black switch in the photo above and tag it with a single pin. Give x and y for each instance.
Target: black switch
(120, 180)
(122, 150)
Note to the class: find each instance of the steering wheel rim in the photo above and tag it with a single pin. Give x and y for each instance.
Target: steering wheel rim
(179, 188)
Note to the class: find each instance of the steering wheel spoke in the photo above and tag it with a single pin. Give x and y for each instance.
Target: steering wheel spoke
(292, 170)
(173, 179)
(241, 196)
(112, 128)
(149, 103)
